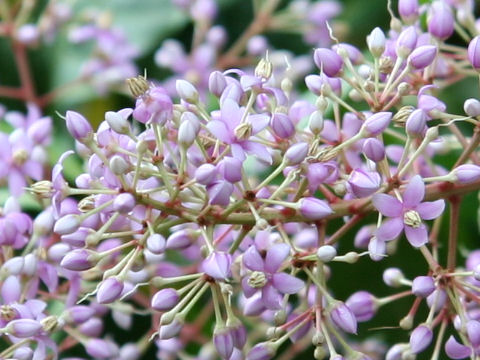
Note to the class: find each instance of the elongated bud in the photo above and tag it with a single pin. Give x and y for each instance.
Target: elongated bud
(67, 224)
(393, 277)
(420, 339)
(406, 42)
(376, 42)
(217, 265)
(262, 351)
(440, 20)
(79, 313)
(373, 149)
(78, 126)
(408, 10)
(328, 61)
(363, 305)
(416, 123)
(422, 56)
(80, 260)
(313, 208)
(23, 328)
(124, 203)
(343, 317)
(466, 173)
(118, 165)
(296, 153)
(377, 123)
(223, 341)
(187, 91)
(109, 290)
(165, 299)
(187, 134)
(474, 52)
(217, 83)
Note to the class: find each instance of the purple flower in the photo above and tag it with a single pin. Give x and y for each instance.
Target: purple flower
(455, 350)
(407, 214)
(420, 339)
(265, 275)
(474, 52)
(217, 265)
(230, 129)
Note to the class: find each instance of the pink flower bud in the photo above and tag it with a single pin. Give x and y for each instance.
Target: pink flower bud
(373, 149)
(474, 52)
(363, 305)
(124, 203)
(472, 107)
(364, 183)
(232, 169)
(344, 318)
(440, 20)
(377, 123)
(101, 349)
(376, 42)
(186, 91)
(219, 192)
(80, 313)
(165, 299)
(217, 265)
(296, 153)
(406, 42)
(180, 239)
(314, 209)
(78, 126)
(355, 55)
(67, 224)
(420, 339)
(205, 174)
(156, 243)
(467, 173)
(422, 56)
(109, 290)
(217, 83)
(423, 286)
(408, 10)
(328, 61)
(223, 341)
(262, 351)
(282, 125)
(416, 123)
(79, 260)
(23, 328)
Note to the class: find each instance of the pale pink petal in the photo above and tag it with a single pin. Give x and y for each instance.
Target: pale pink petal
(387, 205)
(416, 236)
(390, 229)
(414, 193)
(287, 284)
(276, 255)
(231, 114)
(431, 209)
(252, 259)
(219, 129)
(16, 182)
(271, 297)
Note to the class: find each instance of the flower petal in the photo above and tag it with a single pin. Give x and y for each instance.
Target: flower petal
(286, 283)
(416, 236)
(390, 229)
(387, 205)
(271, 297)
(276, 255)
(455, 350)
(414, 193)
(219, 129)
(431, 209)
(252, 259)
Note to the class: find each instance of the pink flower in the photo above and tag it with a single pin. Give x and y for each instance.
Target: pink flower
(407, 214)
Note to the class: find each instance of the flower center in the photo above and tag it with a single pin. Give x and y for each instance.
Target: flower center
(7, 313)
(257, 279)
(412, 218)
(243, 131)
(20, 156)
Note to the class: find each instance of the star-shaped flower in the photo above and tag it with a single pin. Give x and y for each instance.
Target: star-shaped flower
(407, 214)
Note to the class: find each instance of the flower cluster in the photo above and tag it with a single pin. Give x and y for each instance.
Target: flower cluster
(222, 204)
